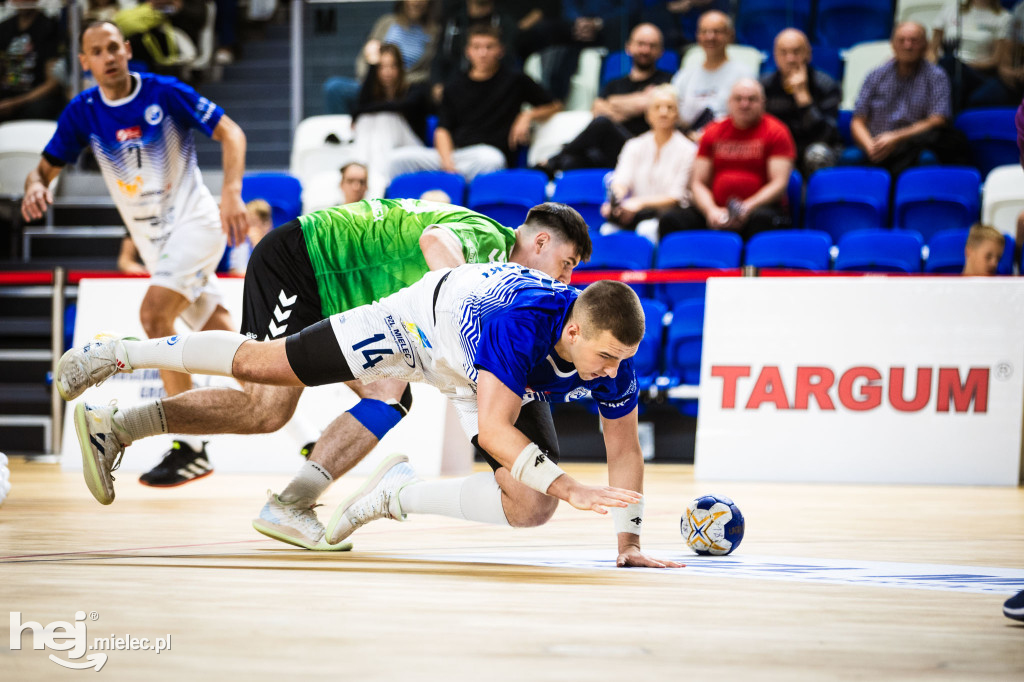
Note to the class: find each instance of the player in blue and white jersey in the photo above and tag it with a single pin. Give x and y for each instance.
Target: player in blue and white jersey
(139, 127)
(491, 338)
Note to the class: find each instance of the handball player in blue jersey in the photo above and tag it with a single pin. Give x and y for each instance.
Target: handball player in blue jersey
(492, 338)
(139, 127)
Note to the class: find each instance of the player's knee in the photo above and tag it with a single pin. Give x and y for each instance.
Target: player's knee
(537, 513)
(155, 322)
(378, 416)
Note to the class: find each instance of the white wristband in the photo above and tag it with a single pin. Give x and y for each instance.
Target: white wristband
(628, 519)
(533, 468)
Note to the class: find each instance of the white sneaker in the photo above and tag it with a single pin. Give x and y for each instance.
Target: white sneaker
(294, 524)
(102, 448)
(90, 365)
(376, 499)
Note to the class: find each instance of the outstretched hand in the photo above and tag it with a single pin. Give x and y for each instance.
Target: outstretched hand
(632, 556)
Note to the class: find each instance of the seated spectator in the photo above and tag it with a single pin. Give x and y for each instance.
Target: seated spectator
(413, 27)
(101, 10)
(968, 42)
(260, 223)
(600, 23)
(903, 108)
(742, 170)
(619, 110)
(1006, 87)
(806, 100)
(983, 250)
(354, 181)
(460, 19)
(481, 120)
(653, 173)
(677, 19)
(31, 44)
(391, 114)
(163, 34)
(704, 88)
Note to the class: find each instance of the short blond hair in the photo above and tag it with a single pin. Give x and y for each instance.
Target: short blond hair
(261, 209)
(982, 233)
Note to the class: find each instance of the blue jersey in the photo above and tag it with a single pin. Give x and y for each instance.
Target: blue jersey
(518, 324)
(145, 150)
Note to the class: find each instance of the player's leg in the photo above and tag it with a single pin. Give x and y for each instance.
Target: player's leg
(160, 308)
(394, 490)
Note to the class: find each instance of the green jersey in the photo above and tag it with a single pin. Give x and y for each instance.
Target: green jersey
(370, 249)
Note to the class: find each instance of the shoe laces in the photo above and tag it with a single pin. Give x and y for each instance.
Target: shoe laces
(374, 506)
(120, 446)
(304, 517)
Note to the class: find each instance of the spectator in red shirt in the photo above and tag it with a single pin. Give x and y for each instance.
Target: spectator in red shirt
(742, 170)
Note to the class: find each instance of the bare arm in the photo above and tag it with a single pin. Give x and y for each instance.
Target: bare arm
(498, 410)
(519, 133)
(51, 84)
(626, 470)
(860, 133)
(779, 170)
(128, 258)
(233, 216)
(445, 146)
(440, 249)
(37, 190)
(703, 199)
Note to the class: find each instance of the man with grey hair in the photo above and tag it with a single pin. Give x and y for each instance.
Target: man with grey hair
(903, 108)
(806, 100)
(704, 87)
(742, 170)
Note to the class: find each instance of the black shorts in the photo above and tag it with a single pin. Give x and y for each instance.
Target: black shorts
(281, 296)
(536, 424)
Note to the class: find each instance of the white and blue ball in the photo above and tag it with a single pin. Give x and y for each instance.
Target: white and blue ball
(712, 524)
(5, 478)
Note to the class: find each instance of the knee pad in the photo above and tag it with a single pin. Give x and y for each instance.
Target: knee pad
(377, 416)
(406, 399)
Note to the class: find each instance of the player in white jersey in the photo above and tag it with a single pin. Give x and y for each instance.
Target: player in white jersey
(139, 127)
(491, 337)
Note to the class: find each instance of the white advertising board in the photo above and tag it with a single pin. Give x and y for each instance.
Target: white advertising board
(862, 380)
(112, 305)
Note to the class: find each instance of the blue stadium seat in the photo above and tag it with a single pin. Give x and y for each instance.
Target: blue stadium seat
(827, 58)
(992, 136)
(617, 64)
(803, 249)
(937, 198)
(684, 342)
(880, 250)
(585, 191)
(413, 185)
(621, 251)
(507, 195)
(849, 198)
(647, 360)
(946, 251)
(695, 249)
(759, 21)
(844, 23)
(1006, 262)
(282, 191)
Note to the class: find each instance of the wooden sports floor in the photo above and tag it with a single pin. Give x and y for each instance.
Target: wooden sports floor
(830, 582)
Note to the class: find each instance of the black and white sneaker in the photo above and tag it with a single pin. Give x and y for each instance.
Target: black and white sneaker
(180, 465)
(1014, 606)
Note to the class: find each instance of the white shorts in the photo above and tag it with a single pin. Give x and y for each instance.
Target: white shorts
(397, 338)
(186, 262)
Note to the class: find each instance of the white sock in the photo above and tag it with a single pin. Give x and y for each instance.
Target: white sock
(307, 486)
(474, 498)
(140, 421)
(210, 352)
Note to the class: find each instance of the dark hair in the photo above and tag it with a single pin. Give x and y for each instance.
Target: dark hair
(429, 15)
(483, 30)
(376, 87)
(94, 24)
(612, 306)
(565, 222)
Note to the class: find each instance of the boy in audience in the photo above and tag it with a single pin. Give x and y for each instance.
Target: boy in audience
(984, 248)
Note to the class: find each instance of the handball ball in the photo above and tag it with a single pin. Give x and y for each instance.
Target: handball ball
(5, 478)
(712, 525)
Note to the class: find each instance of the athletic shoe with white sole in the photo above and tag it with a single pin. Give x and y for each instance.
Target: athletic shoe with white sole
(181, 464)
(1014, 606)
(376, 499)
(90, 365)
(101, 447)
(295, 524)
